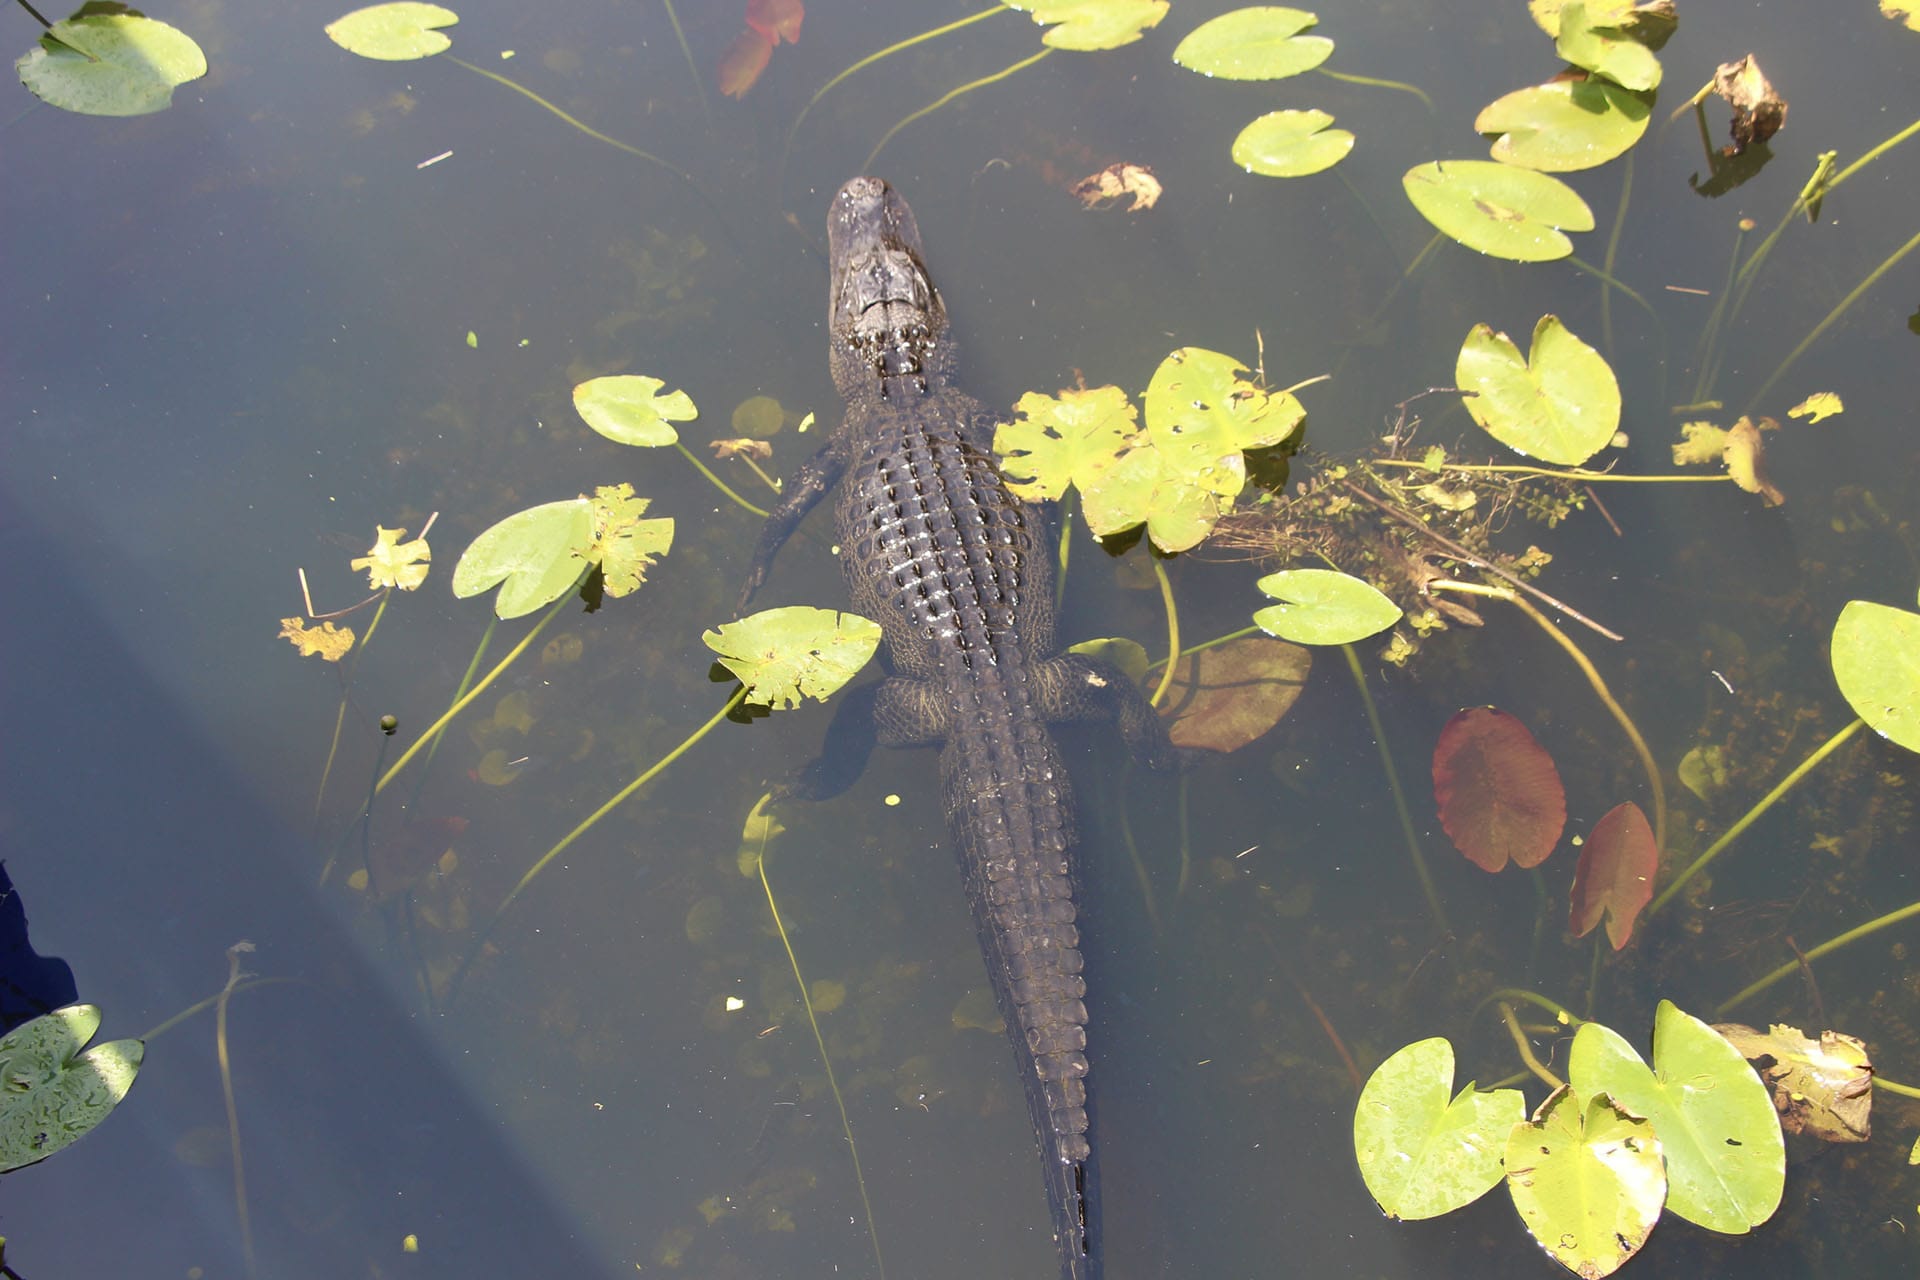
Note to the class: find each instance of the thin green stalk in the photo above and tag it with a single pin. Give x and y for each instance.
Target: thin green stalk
(1208, 644)
(947, 97)
(619, 797)
(820, 1042)
(1399, 795)
(1581, 474)
(1527, 1055)
(718, 483)
(1606, 277)
(466, 681)
(693, 68)
(1893, 1086)
(1347, 77)
(234, 953)
(1873, 278)
(1707, 357)
(1752, 815)
(1867, 159)
(366, 814)
(1559, 1011)
(212, 1000)
(1138, 863)
(1064, 555)
(1186, 844)
(460, 704)
(1613, 251)
(1173, 632)
(340, 718)
(868, 61)
(1832, 944)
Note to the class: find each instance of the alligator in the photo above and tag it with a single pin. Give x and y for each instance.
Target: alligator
(958, 573)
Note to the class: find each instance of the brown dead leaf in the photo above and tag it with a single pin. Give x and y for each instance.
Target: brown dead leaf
(1223, 698)
(1823, 1089)
(1746, 458)
(1117, 182)
(324, 641)
(757, 449)
(1758, 109)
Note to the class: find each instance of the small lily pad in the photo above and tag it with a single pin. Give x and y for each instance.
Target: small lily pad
(1128, 656)
(110, 64)
(399, 32)
(1055, 442)
(1601, 47)
(783, 655)
(1089, 25)
(1291, 144)
(1560, 403)
(1564, 125)
(1726, 1159)
(624, 545)
(1420, 1154)
(52, 1094)
(1498, 209)
(1143, 487)
(1202, 415)
(538, 553)
(1319, 606)
(1876, 663)
(1586, 1176)
(628, 409)
(1258, 43)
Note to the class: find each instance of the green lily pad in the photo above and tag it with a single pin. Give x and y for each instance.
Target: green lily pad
(1319, 606)
(1876, 662)
(624, 545)
(111, 64)
(1587, 1179)
(1605, 49)
(1143, 487)
(1129, 656)
(1612, 13)
(1560, 403)
(1420, 1154)
(1089, 25)
(397, 32)
(782, 655)
(539, 553)
(1260, 43)
(1506, 212)
(52, 1094)
(1726, 1159)
(1058, 441)
(1202, 416)
(1564, 125)
(627, 409)
(1291, 144)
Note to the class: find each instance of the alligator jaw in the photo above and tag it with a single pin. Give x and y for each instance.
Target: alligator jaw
(883, 309)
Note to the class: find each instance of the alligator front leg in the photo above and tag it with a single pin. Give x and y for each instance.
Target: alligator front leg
(816, 476)
(1074, 688)
(896, 712)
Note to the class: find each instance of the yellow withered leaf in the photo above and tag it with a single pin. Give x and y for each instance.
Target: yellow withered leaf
(390, 562)
(324, 641)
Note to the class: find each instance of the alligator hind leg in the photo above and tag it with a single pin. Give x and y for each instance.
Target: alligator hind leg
(896, 712)
(1074, 688)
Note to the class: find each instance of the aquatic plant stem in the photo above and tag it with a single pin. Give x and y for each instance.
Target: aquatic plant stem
(1873, 277)
(346, 686)
(1139, 863)
(944, 99)
(234, 953)
(693, 68)
(1792, 966)
(1752, 815)
(1560, 1012)
(1613, 252)
(461, 703)
(1893, 1086)
(212, 1000)
(1578, 474)
(820, 1042)
(619, 797)
(366, 817)
(718, 483)
(1347, 77)
(868, 61)
(1654, 782)
(1173, 633)
(1527, 1055)
(1606, 278)
(1399, 795)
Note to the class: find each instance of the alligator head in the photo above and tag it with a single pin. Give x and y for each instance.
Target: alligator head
(889, 326)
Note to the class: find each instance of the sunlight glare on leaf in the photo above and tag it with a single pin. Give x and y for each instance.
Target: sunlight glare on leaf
(55, 1094)
(110, 64)
(784, 655)
(1818, 407)
(390, 562)
(398, 32)
(1586, 1176)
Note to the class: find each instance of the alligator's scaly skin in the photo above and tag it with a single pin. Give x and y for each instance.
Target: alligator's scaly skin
(958, 574)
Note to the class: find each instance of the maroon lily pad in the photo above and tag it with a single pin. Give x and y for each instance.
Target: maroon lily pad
(1615, 875)
(1500, 797)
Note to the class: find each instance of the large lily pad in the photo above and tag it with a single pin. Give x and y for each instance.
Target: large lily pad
(1258, 43)
(538, 553)
(399, 32)
(1291, 144)
(1587, 1179)
(1057, 441)
(625, 545)
(1143, 487)
(1726, 1159)
(783, 655)
(1320, 606)
(1227, 697)
(1420, 1154)
(1202, 415)
(1876, 662)
(1560, 403)
(1499, 795)
(1498, 209)
(110, 64)
(52, 1094)
(629, 409)
(1564, 125)
(1090, 25)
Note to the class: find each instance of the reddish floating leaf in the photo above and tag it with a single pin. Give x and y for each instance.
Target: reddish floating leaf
(1224, 698)
(1500, 796)
(1615, 875)
(776, 19)
(743, 62)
